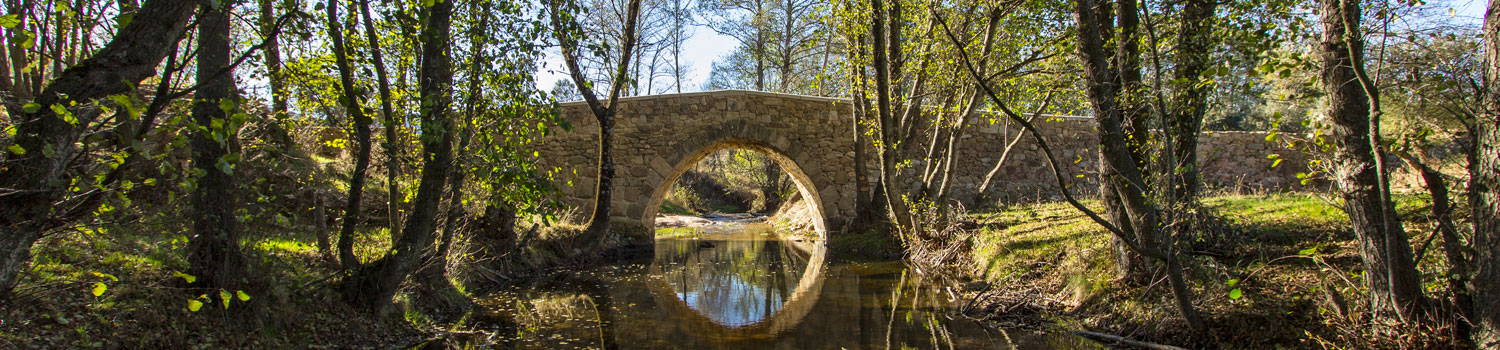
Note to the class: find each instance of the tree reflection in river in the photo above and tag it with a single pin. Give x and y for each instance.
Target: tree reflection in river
(735, 283)
(738, 291)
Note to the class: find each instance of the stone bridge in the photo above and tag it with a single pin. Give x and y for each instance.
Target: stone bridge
(659, 137)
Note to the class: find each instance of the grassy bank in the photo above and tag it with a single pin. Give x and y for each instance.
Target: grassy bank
(1284, 273)
(111, 287)
(142, 304)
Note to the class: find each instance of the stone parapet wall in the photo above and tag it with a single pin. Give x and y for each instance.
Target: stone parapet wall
(659, 137)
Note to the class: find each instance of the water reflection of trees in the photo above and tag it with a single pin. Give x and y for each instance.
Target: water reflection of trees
(735, 283)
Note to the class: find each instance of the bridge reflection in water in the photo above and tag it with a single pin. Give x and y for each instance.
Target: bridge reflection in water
(739, 291)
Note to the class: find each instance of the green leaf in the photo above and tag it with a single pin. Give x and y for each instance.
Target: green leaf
(62, 112)
(109, 276)
(99, 288)
(194, 305)
(224, 295)
(9, 21)
(241, 295)
(225, 167)
(227, 105)
(1234, 294)
(1308, 252)
(185, 277)
(1231, 282)
(31, 107)
(26, 40)
(124, 20)
(17, 149)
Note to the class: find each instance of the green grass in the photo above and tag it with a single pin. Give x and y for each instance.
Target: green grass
(676, 232)
(1054, 251)
(671, 207)
(144, 305)
(1017, 239)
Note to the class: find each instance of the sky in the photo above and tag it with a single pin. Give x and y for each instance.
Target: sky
(703, 46)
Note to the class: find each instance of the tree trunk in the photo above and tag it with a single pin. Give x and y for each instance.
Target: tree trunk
(214, 249)
(890, 131)
(604, 112)
(39, 180)
(320, 225)
(392, 145)
(351, 102)
(771, 191)
(863, 204)
(1194, 43)
(1120, 172)
(272, 55)
(1390, 273)
(1484, 193)
(373, 285)
(1134, 112)
(1453, 248)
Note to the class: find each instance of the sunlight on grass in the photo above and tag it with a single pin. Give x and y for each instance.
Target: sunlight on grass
(274, 245)
(676, 232)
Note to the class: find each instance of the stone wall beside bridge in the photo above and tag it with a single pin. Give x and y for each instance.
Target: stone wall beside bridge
(658, 137)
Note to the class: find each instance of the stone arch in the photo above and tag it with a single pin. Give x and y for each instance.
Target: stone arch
(658, 137)
(706, 146)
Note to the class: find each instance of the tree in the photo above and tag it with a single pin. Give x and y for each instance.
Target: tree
(1195, 44)
(565, 30)
(373, 285)
(1484, 192)
(388, 118)
(747, 21)
(352, 103)
(889, 127)
(272, 55)
(1137, 226)
(680, 20)
(214, 253)
(1354, 109)
(33, 180)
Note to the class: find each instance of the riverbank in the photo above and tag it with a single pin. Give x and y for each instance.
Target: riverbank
(1284, 275)
(113, 286)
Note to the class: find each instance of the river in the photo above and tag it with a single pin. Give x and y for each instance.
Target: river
(738, 288)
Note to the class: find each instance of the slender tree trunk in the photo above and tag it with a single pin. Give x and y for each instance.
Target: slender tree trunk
(272, 55)
(890, 131)
(1390, 274)
(1453, 248)
(863, 211)
(1120, 171)
(392, 145)
(677, 27)
(320, 225)
(39, 180)
(1005, 154)
(373, 285)
(21, 86)
(1194, 43)
(1484, 192)
(1132, 266)
(604, 112)
(214, 249)
(351, 102)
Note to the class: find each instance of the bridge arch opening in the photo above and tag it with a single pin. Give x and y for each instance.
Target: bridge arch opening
(800, 180)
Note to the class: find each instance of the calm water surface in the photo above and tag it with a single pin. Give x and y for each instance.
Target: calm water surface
(743, 289)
